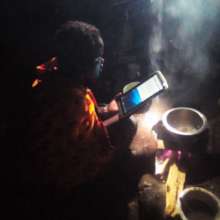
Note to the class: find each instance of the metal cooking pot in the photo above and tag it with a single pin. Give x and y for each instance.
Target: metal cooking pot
(184, 121)
(184, 128)
(196, 203)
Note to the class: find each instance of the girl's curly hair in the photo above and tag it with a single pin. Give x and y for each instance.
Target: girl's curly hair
(77, 45)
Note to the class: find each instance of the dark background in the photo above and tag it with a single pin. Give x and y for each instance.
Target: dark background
(27, 39)
(27, 29)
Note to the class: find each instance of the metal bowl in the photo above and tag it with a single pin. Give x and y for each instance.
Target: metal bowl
(184, 121)
(195, 203)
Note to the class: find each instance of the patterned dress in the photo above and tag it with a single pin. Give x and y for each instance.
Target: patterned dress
(67, 143)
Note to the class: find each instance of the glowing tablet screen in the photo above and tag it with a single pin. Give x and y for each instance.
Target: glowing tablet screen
(141, 93)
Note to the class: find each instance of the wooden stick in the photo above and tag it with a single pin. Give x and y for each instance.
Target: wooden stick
(174, 185)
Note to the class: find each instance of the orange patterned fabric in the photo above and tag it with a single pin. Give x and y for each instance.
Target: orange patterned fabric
(68, 143)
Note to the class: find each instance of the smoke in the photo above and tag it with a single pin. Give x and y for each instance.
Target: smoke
(179, 41)
(156, 40)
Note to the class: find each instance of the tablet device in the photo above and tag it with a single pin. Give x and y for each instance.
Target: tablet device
(133, 99)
